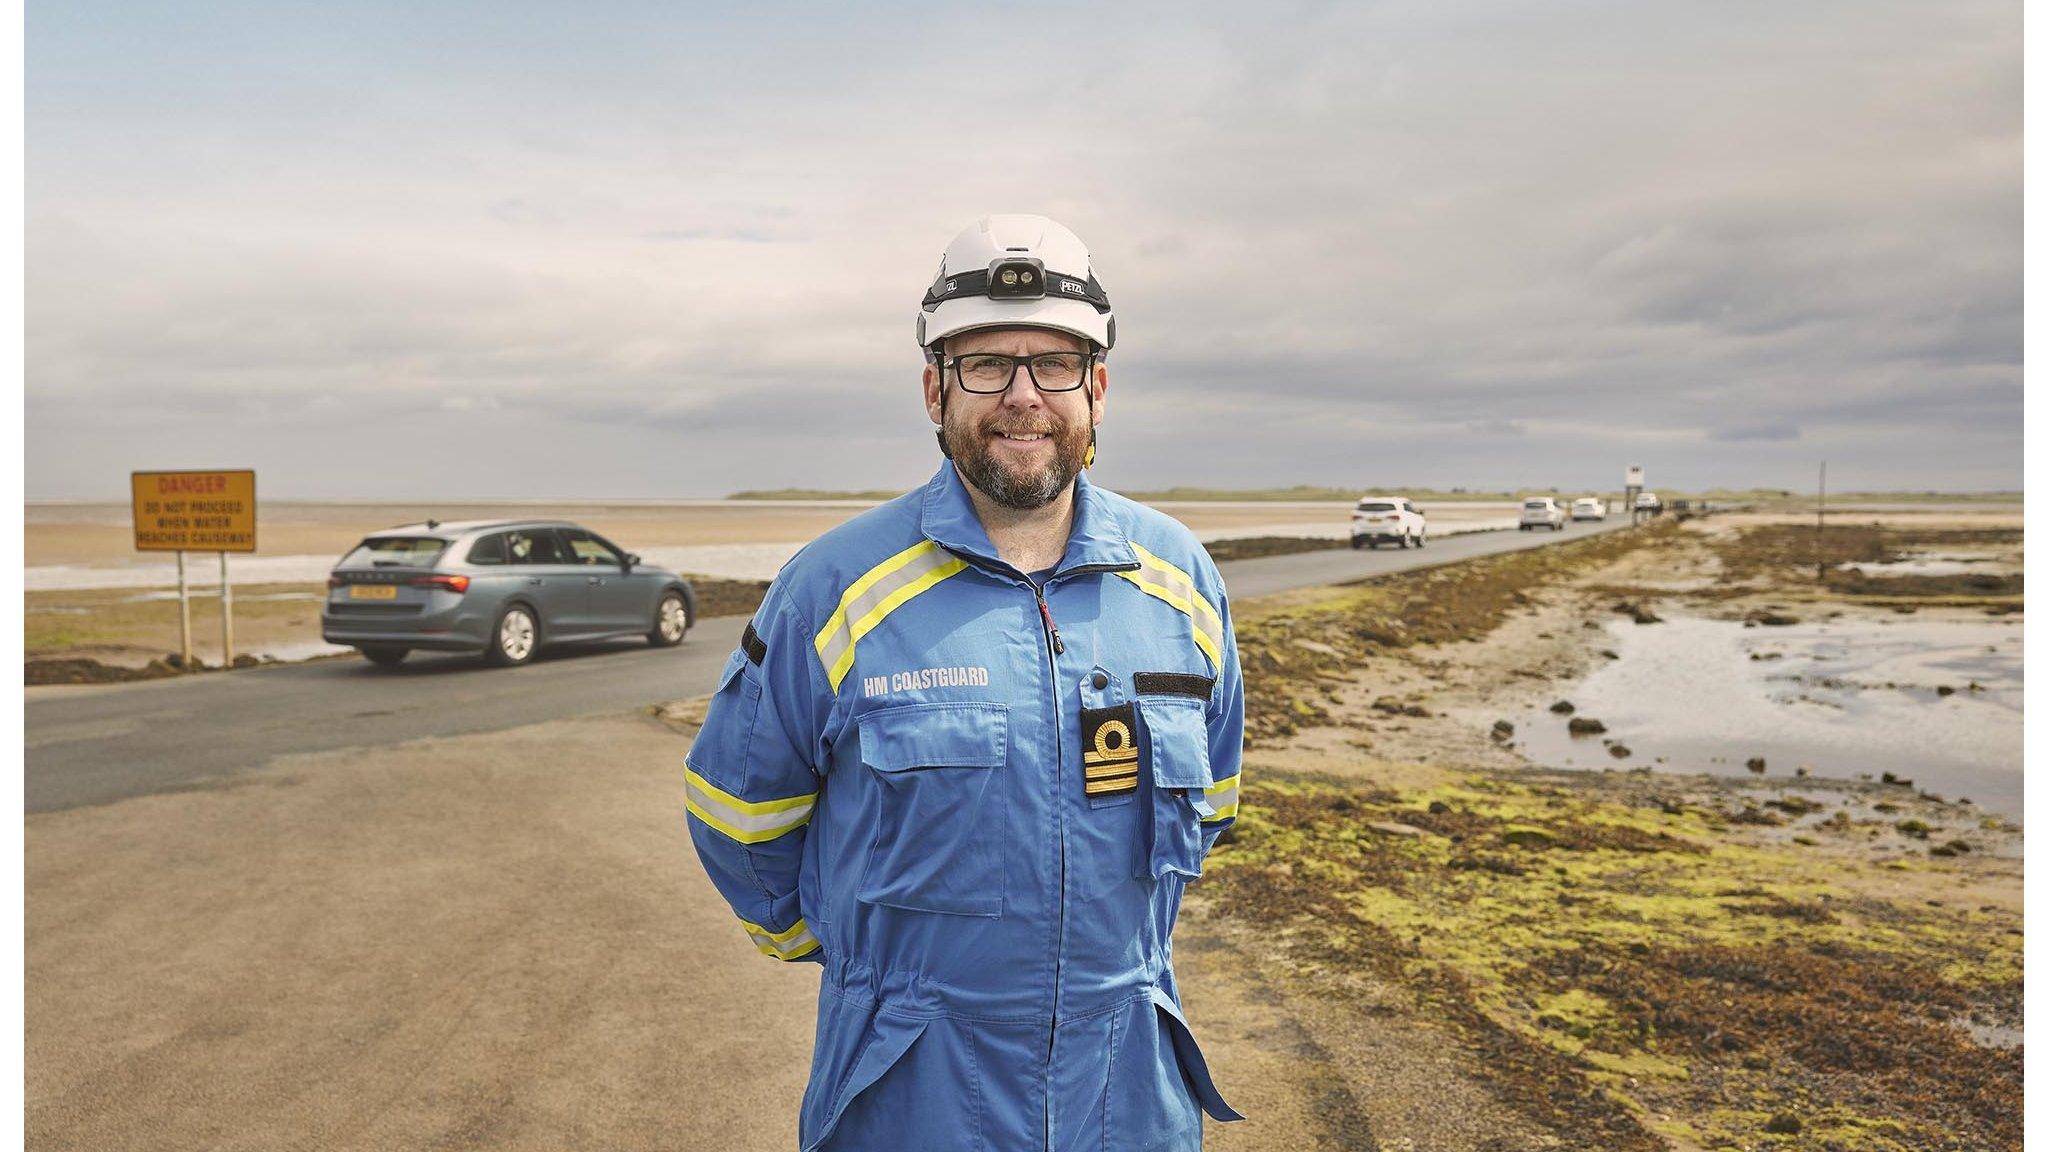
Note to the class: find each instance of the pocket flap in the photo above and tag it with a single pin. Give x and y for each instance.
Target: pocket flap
(943, 735)
(1192, 1065)
(893, 1036)
(1179, 730)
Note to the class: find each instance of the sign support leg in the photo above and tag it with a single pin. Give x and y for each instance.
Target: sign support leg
(184, 619)
(227, 616)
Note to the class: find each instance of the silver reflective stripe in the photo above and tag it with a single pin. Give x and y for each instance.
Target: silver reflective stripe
(1224, 798)
(748, 823)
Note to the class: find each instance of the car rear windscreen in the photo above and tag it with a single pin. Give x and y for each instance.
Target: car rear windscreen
(1534, 504)
(1363, 507)
(395, 552)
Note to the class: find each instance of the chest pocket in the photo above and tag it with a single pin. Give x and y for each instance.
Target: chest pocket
(1177, 733)
(938, 819)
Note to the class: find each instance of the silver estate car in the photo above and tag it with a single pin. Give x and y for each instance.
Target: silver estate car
(499, 587)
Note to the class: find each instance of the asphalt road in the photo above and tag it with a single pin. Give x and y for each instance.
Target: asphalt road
(99, 744)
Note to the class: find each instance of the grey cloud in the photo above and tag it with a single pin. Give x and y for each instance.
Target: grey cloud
(1414, 231)
(1737, 433)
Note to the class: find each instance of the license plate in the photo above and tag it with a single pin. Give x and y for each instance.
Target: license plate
(373, 592)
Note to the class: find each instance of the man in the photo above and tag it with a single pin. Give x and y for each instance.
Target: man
(973, 746)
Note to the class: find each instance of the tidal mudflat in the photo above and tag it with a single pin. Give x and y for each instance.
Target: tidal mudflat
(1628, 954)
(1932, 699)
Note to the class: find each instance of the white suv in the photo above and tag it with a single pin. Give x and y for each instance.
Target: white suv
(1382, 519)
(1541, 512)
(1589, 508)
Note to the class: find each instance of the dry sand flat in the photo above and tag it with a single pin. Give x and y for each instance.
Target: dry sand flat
(100, 534)
(495, 942)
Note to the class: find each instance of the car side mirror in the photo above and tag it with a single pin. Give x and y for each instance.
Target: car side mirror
(632, 561)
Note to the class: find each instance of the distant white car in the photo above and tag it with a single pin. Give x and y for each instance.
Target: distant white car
(1541, 512)
(1588, 508)
(1649, 502)
(1388, 519)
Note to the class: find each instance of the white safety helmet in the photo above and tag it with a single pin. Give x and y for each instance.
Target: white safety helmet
(1016, 271)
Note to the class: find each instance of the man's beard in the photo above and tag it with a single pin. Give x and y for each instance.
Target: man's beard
(1013, 485)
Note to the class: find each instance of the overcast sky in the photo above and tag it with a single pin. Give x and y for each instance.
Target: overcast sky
(500, 250)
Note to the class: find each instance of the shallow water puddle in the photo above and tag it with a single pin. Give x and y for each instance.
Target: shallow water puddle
(1841, 698)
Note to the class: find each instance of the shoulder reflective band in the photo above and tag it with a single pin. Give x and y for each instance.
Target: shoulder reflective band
(753, 822)
(975, 283)
(1155, 577)
(882, 590)
(788, 945)
(1223, 797)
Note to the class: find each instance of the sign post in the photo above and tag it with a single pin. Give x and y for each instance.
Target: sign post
(198, 512)
(227, 616)
(184, 620)
(1632, 488)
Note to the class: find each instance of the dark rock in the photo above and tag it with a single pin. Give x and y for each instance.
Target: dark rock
(1754, 764)
(1917, 829)
(1944, 690)
(246, 661)
(1563, 708)
(1610, 654)
(1783, 1124)
(1585, 726)
(1770, 619)
(1897, 781)
(1619, 751)
(1502, 730)
(1438, 807)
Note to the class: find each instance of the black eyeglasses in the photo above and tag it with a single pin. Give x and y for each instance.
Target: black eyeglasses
(988, 373)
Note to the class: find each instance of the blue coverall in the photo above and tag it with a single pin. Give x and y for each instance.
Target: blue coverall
(976, 800)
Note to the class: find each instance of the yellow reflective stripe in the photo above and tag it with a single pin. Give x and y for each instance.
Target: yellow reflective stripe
(1169, 584)
(828, 633)
(789, 944)
(753, 807)
(881, 590)
(749, 822)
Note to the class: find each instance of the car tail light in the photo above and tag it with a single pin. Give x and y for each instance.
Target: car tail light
(334, 581)
(442, 580)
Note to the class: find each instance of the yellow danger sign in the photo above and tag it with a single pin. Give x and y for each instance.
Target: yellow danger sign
(195, 511)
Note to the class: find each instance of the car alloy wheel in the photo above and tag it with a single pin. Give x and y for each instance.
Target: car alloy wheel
(671, 620)
(517, 635)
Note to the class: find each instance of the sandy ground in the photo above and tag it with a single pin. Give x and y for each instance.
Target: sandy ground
(492, 942)
(496, 942)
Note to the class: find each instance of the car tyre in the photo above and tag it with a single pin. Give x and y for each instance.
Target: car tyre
(671, 620)
(515, 637)
(1356, 543)
(384, 655)
(1421, 539)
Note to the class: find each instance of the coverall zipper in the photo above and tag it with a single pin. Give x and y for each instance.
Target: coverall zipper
(1054, 648)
